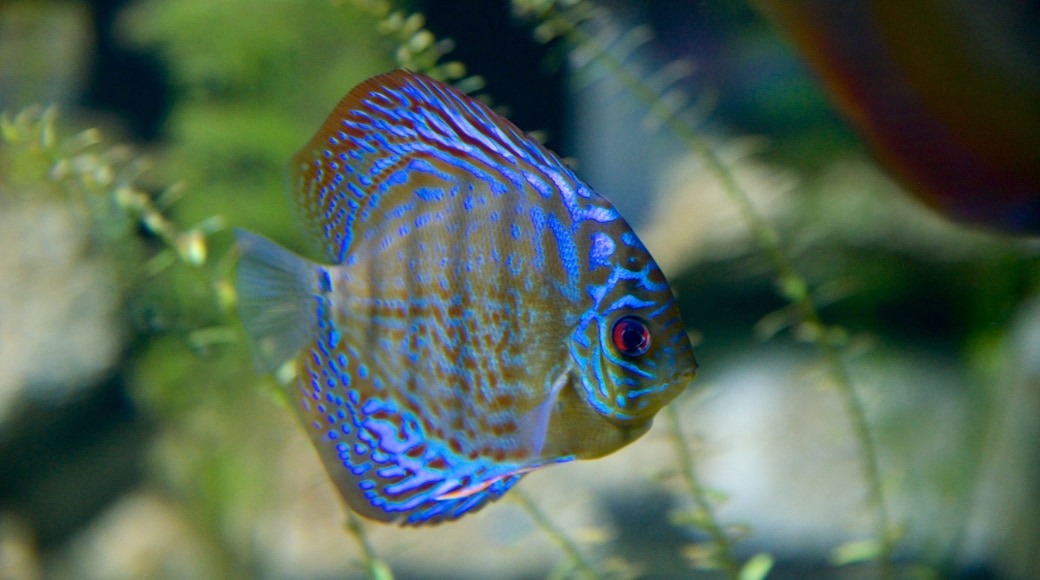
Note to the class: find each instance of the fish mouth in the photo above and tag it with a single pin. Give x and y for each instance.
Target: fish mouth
(685, 376)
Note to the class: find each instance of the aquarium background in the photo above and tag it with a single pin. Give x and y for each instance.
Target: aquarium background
(136, 441)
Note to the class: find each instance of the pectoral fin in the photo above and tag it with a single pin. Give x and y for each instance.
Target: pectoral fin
(534, 425)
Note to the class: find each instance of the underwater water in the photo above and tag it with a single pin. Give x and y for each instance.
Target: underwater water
(138, 441)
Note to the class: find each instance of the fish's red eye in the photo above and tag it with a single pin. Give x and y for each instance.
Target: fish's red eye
(631, 336)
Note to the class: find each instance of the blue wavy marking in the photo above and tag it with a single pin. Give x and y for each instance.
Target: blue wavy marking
(374, 439)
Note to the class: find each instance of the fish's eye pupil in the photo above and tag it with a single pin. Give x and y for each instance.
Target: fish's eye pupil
(631, 336)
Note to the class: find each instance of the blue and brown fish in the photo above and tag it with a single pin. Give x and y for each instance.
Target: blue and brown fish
(479, 313)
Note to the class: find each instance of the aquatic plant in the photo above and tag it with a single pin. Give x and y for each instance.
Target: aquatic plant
(590, 32)
(100, 181)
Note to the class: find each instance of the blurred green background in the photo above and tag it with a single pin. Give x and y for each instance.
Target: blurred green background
(137, 442)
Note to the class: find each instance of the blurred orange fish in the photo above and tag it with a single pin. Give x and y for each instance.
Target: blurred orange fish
(946, 92)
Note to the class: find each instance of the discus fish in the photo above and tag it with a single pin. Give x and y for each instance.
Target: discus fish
(481, 312)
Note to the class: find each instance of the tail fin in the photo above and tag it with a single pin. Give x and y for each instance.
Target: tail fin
(280, 299)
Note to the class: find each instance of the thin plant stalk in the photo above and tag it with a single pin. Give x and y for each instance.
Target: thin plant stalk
(374, 567)
(723, 556)
(578, 561)
(792, 286)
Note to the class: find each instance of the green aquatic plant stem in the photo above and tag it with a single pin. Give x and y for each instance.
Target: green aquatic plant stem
(723, 556)
(374, 567)
(792, 286)
(582, 566)
(100, 179)
(418, 49)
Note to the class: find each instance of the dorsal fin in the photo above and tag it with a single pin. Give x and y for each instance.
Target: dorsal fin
(386, 124)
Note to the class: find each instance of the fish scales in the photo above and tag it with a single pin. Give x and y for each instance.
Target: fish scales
(483, 313)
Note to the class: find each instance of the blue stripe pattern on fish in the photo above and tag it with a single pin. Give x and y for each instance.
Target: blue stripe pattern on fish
(479, 311)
